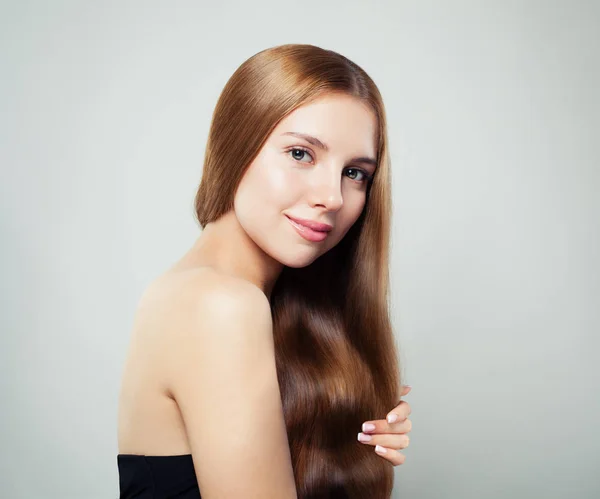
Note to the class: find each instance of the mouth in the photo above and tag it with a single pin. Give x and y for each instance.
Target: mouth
(308, 233)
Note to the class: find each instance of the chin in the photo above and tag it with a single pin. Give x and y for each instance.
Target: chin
(298, 261)
(298, 265)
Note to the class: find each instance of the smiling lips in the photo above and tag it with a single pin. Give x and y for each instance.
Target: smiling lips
(309, 230)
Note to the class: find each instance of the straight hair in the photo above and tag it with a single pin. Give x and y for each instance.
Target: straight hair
(336, 355)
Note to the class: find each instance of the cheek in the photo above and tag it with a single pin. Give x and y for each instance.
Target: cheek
(268, 187)
(281, 184)
(277, 183)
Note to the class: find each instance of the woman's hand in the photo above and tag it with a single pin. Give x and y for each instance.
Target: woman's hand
(389, 435)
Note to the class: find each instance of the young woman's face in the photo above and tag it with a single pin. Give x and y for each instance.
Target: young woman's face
(295, 177)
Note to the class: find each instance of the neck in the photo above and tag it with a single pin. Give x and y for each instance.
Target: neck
(225, 246)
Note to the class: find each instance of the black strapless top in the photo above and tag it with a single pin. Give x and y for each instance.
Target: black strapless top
(157, 477)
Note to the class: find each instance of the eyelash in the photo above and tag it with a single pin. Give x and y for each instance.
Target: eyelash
(366, 176)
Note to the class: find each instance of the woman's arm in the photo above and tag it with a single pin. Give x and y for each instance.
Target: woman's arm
(222, 375)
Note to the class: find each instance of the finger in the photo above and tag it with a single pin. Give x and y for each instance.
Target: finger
(382, 426)
(405, 390)
(388, 441)
(399, 413)
(393, 456)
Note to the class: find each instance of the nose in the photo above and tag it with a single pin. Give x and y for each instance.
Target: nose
(327, 190)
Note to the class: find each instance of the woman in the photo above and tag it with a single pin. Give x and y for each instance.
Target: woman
(256, 358)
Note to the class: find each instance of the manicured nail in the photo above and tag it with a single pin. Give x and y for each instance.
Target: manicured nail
(368, 427)
(364, 438)
(392, 418)
(379, 448)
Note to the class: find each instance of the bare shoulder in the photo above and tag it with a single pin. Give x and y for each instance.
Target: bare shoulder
(221, 371)
(222, 295)
(200, 308)
(181, 297)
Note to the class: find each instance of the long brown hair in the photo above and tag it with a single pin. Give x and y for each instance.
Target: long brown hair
(337, 360)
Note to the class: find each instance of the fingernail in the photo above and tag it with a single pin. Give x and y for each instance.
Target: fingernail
(368, 427)
(364, 438)
(379, 448)
(392, 418)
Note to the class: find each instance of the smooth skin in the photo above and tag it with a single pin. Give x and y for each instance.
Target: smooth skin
(223, 376)
(201, 379)
(200, 373)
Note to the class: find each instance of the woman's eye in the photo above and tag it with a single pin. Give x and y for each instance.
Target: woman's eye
(298, 153)
(364, 177)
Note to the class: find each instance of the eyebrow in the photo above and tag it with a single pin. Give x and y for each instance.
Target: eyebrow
(317, 143)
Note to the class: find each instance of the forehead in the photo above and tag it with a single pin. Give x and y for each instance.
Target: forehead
(341, 121)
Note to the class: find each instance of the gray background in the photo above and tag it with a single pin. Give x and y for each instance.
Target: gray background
(493, 120)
